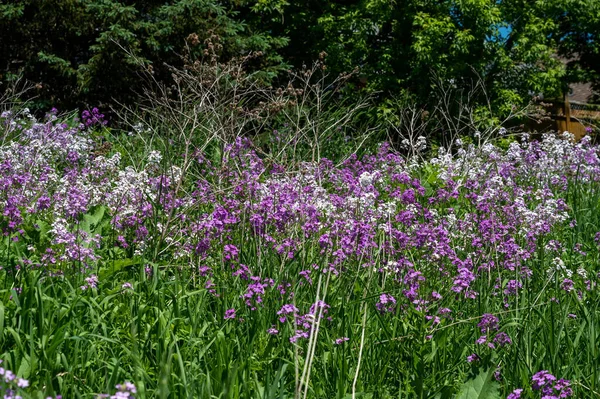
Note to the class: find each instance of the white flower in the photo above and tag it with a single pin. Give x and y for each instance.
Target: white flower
(366, 179)
(560, 268)
(154, 157)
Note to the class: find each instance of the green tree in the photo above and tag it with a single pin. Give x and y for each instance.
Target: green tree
(580, 41)
(399, 45)
(90, 51)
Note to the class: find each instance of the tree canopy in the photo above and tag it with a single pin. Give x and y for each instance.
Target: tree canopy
(91, 50)
(84, 51)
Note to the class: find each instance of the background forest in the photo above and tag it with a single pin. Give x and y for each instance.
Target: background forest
(92, 52)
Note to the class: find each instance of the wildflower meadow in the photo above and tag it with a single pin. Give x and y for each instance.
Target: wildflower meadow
(147, 268)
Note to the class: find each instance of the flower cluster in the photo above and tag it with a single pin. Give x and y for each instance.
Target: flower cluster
(547, 385)
(126, 390)
(550, 388)
(93, 117)
(11, 384)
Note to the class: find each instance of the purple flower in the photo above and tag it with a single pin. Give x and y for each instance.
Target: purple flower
(562, 384)
(502, 339)
(306, 275)
(488, 322)
(498, 374)
(319, 304)
(386, 303)
(463, 281)
(124, 391)
(299, 334)
(286, 310)
(243, 272)
(473, 358)
(21, 383)
(122, 241)
(255, 291)
(516, 394)
(567, 285)
(77, 202)
(436, 320)
(43, 203)
(341, 340)
(209, 285)
(91, 282)
(230, 252)
(324, 241)
(9, 375)
(564, 388)
(444, 311)
(512, 287)
(229, 314)
(541, 379)
(93, 118)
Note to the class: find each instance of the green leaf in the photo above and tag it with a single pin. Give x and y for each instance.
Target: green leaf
(24, 368)
(90, 220)
(116, 266)
(481, 387)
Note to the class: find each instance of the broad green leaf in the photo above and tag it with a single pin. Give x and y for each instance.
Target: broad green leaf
(90, 220)
(114, 267)
(481, 387)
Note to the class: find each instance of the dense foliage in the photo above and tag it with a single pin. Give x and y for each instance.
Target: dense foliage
(400, 45)
(98, 49)
(581, 41)
(221, 273)
(102, 50)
